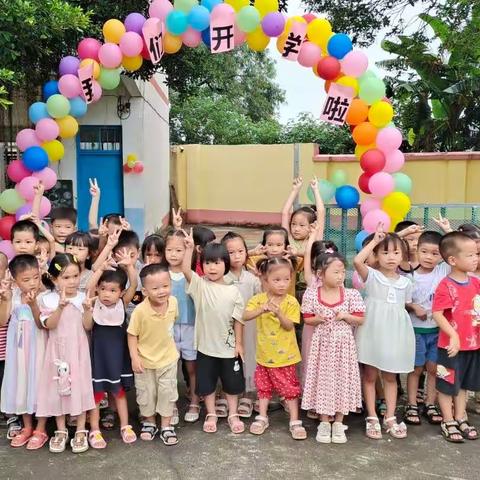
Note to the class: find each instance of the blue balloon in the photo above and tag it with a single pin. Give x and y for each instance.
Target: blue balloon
(360, 237)
(176, 22)
(78, 107)
(35, 158)
(199, 18)
(339, 45)
(37, 111)
(210, 4)
(347, 197)
(50, 88)
(206, 37)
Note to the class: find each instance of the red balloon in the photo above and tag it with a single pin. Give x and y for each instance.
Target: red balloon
(6, 224)
(372, 161)
(126, 168)
(138, 167)
(145, 53)
(363, 180)
(309, 17)
(328, 68)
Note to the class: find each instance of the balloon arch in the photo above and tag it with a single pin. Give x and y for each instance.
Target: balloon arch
(221, 27)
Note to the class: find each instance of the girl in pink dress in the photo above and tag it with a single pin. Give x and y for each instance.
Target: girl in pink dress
(65, 386)
(332, 383)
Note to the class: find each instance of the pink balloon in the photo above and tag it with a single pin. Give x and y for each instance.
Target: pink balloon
(224, 11)
(239, 37)
(357, 282)
(25, 188)
(27, 138)
(6, 248)
(110, 55)
(394, 161)
(192, 38)
(47, 176)
(389, 139)
(354, 63)
(310, 54)
(88, 48)
(97, 91)
(47, 129)
(369, 204)
(381, 184)
(70, 86)
(45, 207)
(159, 9)
(373, 218)
(131, 44)
(17, 171)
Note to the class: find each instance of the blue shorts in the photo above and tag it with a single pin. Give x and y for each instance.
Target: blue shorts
(184, 336)
(425, 348)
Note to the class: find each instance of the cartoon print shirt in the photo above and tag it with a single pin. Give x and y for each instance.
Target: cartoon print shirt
(460, 303)
(276, 347)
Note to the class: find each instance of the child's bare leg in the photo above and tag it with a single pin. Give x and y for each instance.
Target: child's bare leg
(431, 383)
(81, 420)
(339, 417)
(390, 387)
(232, 401)
(122, 409)
(27, 421)
(379, 387)
(191, 368)
(460, 405)
(293, 408)
(165, 422)
(60, 421)
(413, 379)
(94, 418)
(446, 406)
(42, 424)
(370, 375)
(263, 406)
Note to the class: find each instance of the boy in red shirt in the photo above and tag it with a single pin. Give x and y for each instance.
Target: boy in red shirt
(456, 309)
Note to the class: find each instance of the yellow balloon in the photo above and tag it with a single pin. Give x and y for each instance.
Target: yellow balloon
(347, 81)
(238, 4)
(319, 31)
(171, 43)
(55, 150)
(257, 40)
(395, 220)
(380, 114)
(396, 204)
(281, 43)
(113, 30)
(361, 149)
(96, 66)
(131, 64)
(288, 23)
(266, 6)
(68, 126)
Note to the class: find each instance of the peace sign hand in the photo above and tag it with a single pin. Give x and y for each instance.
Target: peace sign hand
(189, 242)
(177, 219)
(94, 188)
(379, 233)
(443, 223)
(63, 299)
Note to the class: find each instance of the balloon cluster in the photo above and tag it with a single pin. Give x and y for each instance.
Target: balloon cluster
(133, 164)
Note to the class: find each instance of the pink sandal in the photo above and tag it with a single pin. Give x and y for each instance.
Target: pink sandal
(22, 438)
(210, 426)
(128, 435)
(236, 425)
(96, 440)
(37, 440)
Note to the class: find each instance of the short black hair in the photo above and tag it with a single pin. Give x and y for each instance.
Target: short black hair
(396, 241)
(117, 276)
(25, 226)
(216, 251)
(404, 224)
(450, 244)
(471, 230)
(20, 263)
(64, 213)
(266, 264)
(430, 237)
(202, 235)
(323, 260)
(276, 230)
(235, 236)
(308, 211)
(58, 264)
(156, 241)
(152, 269)
(128, 238)
(80, 239)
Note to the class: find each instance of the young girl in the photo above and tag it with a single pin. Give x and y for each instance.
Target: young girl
(65, 386)
(80, 245)
(332, 384)
(111, 365)
(26, 340)
(249, 285)
(276, 313)
(201, 236)
(153, 249)
(386, 341)
(218, 331)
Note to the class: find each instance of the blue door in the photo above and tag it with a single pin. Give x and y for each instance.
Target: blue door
(99, 155)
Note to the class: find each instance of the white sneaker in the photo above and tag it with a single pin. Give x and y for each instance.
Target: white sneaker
(338, 432)
(324, 432)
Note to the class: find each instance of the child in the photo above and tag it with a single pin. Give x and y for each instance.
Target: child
(111, 364)
(218, 331)
(153, 249)
(332, 384)
(385, 341)
(456, 309)
(201, 236)
(409, 232)
(153, 353)
(426, 277)
(65, 386)
(25, 236)
(249, 285)
(25, 350)
(276, 314)
(80, 245)
(64, 221)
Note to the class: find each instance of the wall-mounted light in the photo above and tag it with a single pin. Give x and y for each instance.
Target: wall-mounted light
(123, 108)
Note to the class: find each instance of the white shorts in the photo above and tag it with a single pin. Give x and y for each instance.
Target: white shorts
(185, 341)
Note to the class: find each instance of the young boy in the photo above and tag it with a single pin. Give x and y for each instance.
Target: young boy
(64, 221)
(426, 277)
(154, 354)
(456, 309)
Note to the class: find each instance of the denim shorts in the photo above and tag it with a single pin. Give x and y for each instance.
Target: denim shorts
(425, 348)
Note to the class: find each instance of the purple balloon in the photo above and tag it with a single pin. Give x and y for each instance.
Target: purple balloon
(134, 22)
(273, 24)
(69, 65)
(23, 210)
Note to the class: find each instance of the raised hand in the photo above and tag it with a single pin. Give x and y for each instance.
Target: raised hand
(177, 219)
(112, 240)
(314, 184)
(124, 224)
(259, 250)
(109, 264)
(94, 188)
(379, 233)
(63, 299)
(103, 228)
(123, 257)
(297, 184)
(189, 242)
(39, 189)
(88, 303)
(443, 223)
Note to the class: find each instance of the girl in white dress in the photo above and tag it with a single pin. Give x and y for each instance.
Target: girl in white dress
(386, 341)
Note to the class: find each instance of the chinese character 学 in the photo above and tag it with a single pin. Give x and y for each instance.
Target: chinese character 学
(291, 44)
(336, 108)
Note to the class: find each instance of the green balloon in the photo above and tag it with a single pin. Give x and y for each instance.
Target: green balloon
(109, 78)
(403, 183)
(339, 178)
(371, 90)
(58, 106)
(326, 189)
(185, 5)
(10, 200)
(248, 19)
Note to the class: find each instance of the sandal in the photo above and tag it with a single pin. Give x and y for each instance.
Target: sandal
(469, 432)
(372, 428)
(235, 424)
(148, 432)
(96, 440)
(245, 407)
(58, 442)
(14, 427)
(396, 430)
(174, 419)
(37, 440)
(128, 435)
(79, 442)
(192, 417)
(411, 415)
(420, 396)
(221, 408)
(449, 429)
(22, 438)
(297, 431)
(433, 414)
(107, 420)
(259, 426)
(168, 436)
(210, 426)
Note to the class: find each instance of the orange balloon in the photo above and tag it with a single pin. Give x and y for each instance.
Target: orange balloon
(358, 112)
(361, 149)
(364, 133)
(171, 43)
(96, 66)
(281, 42)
